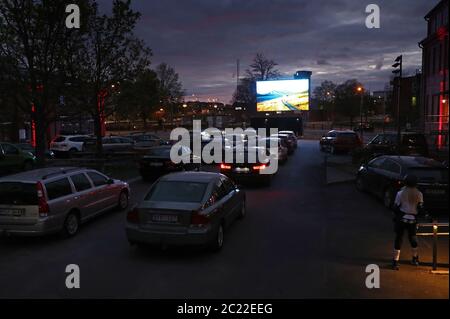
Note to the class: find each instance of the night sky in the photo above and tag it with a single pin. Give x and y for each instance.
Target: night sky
(202, 39)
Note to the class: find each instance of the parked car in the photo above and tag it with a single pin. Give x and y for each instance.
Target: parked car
(13, 158)
(248, 170)
(282, 155)
(292, 137)
(143, 142)
(25, 147)
(340, 141)
(157, 162)
(51, 200)
(111, 144)
(68, 144)
(189, 208)
(384, 176)
(412, 144)
(288, 142)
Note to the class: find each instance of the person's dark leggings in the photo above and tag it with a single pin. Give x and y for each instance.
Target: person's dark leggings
(400, 228)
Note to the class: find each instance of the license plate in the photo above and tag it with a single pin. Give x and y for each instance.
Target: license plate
(435, 191)
(156, 164)
(165, 219)
(242, 170)
(12, 212)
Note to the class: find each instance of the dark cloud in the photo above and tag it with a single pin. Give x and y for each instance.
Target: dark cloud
(203, 39)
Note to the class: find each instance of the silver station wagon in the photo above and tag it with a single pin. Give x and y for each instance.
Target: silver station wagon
(189, 208)
(52, 200)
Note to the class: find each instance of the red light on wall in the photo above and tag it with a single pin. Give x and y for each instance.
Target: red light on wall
(33, 127)
(441, 33)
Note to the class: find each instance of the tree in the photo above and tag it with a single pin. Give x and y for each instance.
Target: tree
(140, 98)
(262, 69)
(170, 87)
(35, 42)
(348, 99)
(109, 55)
(325, 95)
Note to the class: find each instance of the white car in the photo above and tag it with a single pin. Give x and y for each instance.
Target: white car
(68, 143)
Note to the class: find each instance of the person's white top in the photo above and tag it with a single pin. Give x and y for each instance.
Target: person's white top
(409, 210)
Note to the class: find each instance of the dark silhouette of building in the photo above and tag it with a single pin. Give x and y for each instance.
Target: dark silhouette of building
(434, 113)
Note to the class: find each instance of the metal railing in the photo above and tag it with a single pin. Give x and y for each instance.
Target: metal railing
(435, 225)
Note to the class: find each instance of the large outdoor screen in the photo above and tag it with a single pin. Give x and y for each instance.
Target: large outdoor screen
(284, 95)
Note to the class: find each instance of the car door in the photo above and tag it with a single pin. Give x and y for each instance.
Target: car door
(224, 202)
(234, 200)
(391, 174)
(372, 174)
(83, 191)
(104, 194)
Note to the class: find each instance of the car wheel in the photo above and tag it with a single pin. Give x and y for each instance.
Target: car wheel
(360, 184)
(218, 240)
(71, 225)
(243, 211)
(123, 200)
(388, 198)
(72, 152)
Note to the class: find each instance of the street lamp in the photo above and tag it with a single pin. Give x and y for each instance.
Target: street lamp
(398, 66)
(360, 90)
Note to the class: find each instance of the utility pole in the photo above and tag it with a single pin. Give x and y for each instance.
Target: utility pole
(398, 66)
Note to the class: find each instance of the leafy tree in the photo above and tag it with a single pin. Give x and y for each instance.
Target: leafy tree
(139, 98)
(348, 99)
(325, 94)
(35, 43)
(109, 55)
(170, 87)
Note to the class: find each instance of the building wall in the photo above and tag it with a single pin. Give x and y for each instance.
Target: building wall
(435, 76)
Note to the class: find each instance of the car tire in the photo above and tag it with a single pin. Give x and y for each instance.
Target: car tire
(360, 184)
(243, 211)
(123, 200)
(218, 240)
(388, 197)
(71, 225)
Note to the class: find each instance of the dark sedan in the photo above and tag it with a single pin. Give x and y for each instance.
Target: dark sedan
(29, 148)
(247, 170)
(190, 208)
(157, 162)
(384, 176)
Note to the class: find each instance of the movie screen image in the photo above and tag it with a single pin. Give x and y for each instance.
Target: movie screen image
(283, 95)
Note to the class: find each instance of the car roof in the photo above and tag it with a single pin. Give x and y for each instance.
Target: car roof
(415, 161)
(199, 177)
(40, 174)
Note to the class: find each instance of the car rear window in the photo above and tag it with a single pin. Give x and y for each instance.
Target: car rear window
(58, 188)
(430, 175)
(14, 193)
(174, 191)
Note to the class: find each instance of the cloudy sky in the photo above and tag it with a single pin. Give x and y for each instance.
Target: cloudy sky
(202, 39)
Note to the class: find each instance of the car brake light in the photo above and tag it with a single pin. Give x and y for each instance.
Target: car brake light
(133, 216)
(259, 167)
(44, 209)
(225, 166)
(198, 219)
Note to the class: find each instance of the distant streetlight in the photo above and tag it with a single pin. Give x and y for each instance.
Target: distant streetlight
(161, 110)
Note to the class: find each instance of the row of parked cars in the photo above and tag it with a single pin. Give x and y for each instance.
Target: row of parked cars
(385, 163)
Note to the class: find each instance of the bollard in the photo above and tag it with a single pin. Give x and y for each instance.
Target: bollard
(435, 243)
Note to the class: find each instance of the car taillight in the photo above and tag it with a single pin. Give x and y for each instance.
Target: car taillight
(133, 216)
(259, 167)
(198, 219)
(225, 166)
(44, 209)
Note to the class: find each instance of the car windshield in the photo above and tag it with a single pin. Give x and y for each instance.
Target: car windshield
(15, 193)
(177, 191)
(430, 175)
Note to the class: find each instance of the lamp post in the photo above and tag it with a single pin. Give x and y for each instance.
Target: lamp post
(398, 66)
(360, 90)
